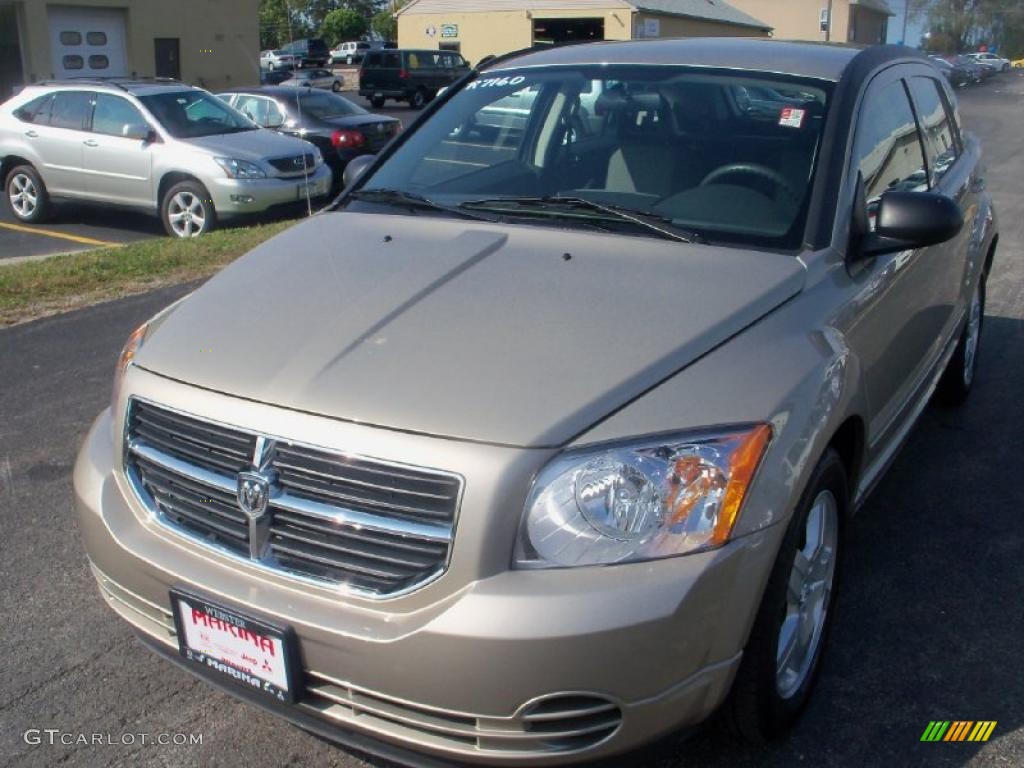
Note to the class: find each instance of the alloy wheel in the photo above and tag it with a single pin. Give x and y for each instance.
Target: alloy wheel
(807, 596)
(186, 215)
(23, 195)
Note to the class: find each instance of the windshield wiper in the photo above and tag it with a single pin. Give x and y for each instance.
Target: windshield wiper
(413, 201)
(551, 204)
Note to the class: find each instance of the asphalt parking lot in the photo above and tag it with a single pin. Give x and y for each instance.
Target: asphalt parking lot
(929, 625)
(76, 227)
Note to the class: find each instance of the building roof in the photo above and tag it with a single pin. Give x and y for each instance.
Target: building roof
(709, 10)
(706, 10)
(820, 61)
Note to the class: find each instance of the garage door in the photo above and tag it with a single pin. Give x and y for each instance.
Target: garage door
(87, 42)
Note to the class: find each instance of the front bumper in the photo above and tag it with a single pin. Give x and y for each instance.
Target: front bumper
(455, 669)
(232, 197)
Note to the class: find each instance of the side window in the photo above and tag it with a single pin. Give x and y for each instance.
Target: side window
(887, 149)
(372, 60)
(70, 109)
(114, 116)
(392, 61)
(36, 111)
(936, 126)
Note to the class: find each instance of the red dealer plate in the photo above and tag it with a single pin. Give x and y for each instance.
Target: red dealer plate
(228, 644)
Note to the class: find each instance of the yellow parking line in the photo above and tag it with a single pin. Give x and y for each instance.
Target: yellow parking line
(58, 235)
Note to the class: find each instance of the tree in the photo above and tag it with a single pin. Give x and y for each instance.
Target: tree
(280, 21)
(341, 25)
(955, 26)
(384, 25)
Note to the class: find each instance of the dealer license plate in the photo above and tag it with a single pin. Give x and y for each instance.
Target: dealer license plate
(229, 644)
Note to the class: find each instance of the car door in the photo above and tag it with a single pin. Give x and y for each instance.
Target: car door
(897, 321)
(60, 143)
(118, 163)
(951, 175)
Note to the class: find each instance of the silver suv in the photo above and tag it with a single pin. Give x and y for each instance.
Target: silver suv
(161, 147)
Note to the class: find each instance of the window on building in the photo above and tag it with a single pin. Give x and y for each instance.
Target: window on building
(73, 62)
(98, 61)
(96, 38)
(70, 38)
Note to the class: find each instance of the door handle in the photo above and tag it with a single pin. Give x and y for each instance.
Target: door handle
(91, 143)
(31, 134)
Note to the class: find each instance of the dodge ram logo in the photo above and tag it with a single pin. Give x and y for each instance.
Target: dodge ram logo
(253, 494)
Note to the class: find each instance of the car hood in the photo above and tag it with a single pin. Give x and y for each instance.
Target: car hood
(517, 335)
(251, 145)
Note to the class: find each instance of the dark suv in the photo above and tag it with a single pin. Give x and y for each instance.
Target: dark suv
(414, 76)
(309, 52)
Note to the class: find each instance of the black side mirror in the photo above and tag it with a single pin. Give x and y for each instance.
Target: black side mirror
(356, 168)
(905, 220)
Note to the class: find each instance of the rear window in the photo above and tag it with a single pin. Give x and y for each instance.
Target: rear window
(324, 105)
(317, 46)
(372, 60)
(36, 111)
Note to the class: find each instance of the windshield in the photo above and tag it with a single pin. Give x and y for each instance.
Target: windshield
(729, 157)
(324, 106)
(191, 114)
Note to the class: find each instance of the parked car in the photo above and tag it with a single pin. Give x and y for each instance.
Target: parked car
(1018, 63)
(314, 78)
(309, 52)
(958, 75)
(352, 52)
(530, 454)
(276, 77)
(977, 72)
(340, 129)
(999, 63)
(173, 150)
(274, 60)
(408, 75)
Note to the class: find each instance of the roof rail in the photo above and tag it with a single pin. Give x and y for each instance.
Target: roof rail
(490, 61)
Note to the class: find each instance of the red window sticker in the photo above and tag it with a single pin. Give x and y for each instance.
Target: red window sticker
(791, 117)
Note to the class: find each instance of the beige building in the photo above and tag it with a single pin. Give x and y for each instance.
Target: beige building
(853, 21)
(214, 43)
(478, 28)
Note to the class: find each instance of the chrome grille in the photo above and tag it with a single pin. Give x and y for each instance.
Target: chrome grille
(332, 518)
(295, 165)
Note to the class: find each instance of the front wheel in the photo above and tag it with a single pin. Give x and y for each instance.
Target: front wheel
(956, 381)
(336, 86)
(419, 99)
(187, 210)
(348, 61)
(26, 194)
(782, 657)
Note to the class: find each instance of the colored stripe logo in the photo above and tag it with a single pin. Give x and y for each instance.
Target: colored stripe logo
(958, 730)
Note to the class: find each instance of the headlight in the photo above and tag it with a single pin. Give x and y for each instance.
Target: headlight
(240, 169)
(640, 501)
(132, 346)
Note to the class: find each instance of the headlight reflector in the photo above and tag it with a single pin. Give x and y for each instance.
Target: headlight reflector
(643, 501)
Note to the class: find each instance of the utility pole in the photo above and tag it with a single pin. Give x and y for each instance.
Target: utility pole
(828, 28)
(906, 18)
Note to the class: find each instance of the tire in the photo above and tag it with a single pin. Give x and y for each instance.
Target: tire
(348, 61)
(377, 102)
(336, 86)
(419, 99)
(769, 693)
(185, 206)
(956, 381)
(26, 194)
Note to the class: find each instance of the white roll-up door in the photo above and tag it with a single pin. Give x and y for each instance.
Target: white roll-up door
(87, 42)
